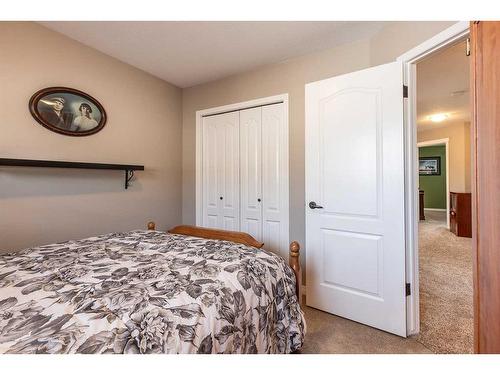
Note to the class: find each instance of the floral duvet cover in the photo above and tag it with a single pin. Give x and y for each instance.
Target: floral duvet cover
(148, 292)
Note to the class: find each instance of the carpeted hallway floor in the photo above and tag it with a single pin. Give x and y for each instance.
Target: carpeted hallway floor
(446, 312)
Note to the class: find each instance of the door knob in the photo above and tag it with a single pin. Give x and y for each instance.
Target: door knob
(313, 205)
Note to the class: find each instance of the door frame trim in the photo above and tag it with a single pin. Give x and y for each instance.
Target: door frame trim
(285, 186)
(449, 36)
(440, 142)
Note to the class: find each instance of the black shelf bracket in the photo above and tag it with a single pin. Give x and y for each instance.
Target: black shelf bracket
(129, 175)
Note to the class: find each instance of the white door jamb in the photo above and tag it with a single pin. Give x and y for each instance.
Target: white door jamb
(449, 36)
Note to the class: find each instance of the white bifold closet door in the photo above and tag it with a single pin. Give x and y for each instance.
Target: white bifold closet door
(221, 171)
(261, 166)
(243, 174)
(274, 186)
(251, 171)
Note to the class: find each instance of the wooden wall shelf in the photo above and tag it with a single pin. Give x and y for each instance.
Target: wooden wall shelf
(127, 168)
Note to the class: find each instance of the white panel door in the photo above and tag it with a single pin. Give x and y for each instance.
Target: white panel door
(229, 182)
(354, 173)
(210, 173)
(221, 171)
(274, 165)
(251, 172)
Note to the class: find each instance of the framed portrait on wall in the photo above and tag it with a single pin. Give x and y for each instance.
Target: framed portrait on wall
(67, 111)
(429, 166)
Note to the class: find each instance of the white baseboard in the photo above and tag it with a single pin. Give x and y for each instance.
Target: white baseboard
(435, 209)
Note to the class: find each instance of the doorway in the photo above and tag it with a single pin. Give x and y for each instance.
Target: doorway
(438, 188)
(362, 191)
(441, 305)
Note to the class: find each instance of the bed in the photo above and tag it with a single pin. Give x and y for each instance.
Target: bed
(189, 290)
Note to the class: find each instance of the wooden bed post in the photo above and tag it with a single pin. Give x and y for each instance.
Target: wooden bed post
(294, 262)
(151, 225)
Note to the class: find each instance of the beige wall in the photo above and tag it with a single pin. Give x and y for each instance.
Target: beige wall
(290, 77)
(144, 127)
(459, 153)
(398, 37)
(40, 206)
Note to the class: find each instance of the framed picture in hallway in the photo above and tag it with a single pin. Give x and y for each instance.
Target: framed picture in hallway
(429, 166)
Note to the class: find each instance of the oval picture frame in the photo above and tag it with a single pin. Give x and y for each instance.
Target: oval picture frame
(67, 111)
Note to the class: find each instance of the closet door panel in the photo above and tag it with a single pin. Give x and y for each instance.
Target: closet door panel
(229, 178)
(210, 173)
(272, 236)
(251, 171)
(212, 221)
(272, 167)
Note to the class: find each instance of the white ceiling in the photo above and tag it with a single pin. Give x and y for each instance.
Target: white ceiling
(443, 87)
(190, 53)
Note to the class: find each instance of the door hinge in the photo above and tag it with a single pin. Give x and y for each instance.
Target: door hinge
(408, 289)
(405, 91)
(467, 47)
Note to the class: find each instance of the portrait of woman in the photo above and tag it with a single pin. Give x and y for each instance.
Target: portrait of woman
(85, 121)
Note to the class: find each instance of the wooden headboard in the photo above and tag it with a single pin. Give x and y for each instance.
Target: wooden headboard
(217, 234)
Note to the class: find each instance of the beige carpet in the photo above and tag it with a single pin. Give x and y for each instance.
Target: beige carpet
(446, 313)
(330, 334)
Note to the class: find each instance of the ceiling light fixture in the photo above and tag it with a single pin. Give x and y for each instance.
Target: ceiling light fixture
(438, 117)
